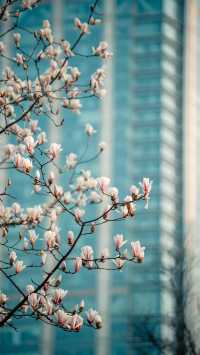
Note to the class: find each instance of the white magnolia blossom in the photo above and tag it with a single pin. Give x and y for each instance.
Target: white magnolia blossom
(85, 181)
(18, 161)
(94, 21)
(34, 214)
(59, 295)
(71, 160)
(30, 289)
(42, 138)
(146, 185)
(73, 104)
(77, 264)
(119, 241)
(9, 150)
(16, 208)
(32, 237)
(27, 165)
(134, 191)
(137, 251)
(93, 317)
(130, 206)
(102, 50)
(50, 237)
(75, 73)
(78, 214)
(89, 129)
(54, 150)
(87, 256)
(67, 197)
(61, 317)
(33, 300)
(19, 266)
(83, 27)
(114, 193)
(97, 83)
(20, 59)
(48, 308)
(66, 46)
(58, 191)
(104, 183)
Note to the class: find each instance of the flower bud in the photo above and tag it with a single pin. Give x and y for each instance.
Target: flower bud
(81, 305)
(98, 321)
(70, 238)
(13, 257)
(3, 298)
(17, 38)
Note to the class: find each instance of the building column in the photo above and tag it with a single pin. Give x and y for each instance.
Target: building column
(105, 233)
(191, 190)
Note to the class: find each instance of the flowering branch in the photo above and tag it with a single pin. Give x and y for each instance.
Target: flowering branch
(31, 236)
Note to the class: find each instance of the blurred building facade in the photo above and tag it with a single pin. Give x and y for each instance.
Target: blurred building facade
(144, 121)
(157, 120)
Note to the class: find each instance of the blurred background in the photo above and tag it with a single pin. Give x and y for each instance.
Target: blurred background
(149, 118)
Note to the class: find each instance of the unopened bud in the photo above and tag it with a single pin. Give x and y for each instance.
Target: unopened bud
(98, 321)
(4, 231)
(46, 286)
(63, 266)
(58, 281)
(93, 227)
(70, 238)
(81, 306)
(9, 182)
(20, 236)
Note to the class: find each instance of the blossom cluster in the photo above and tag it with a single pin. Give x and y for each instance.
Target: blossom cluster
(39, 86)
